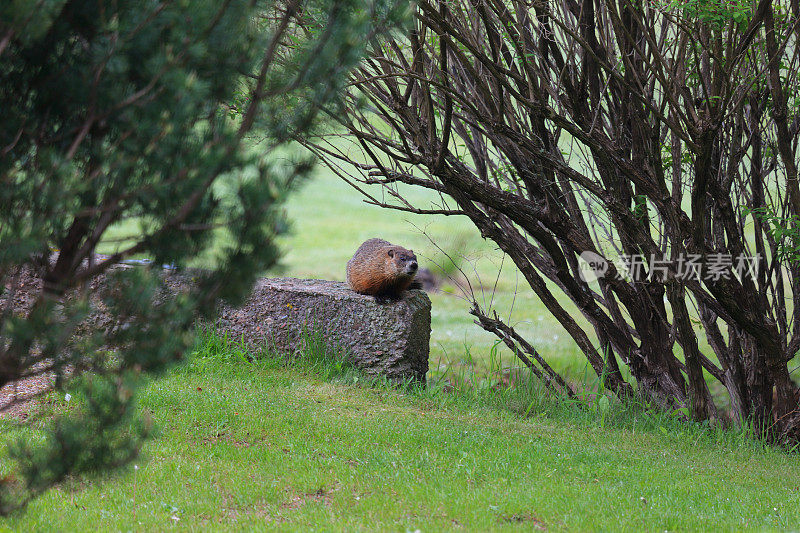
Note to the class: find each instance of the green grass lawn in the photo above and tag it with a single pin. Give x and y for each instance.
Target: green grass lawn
(271, 446)
(266, 446)
(330, 220)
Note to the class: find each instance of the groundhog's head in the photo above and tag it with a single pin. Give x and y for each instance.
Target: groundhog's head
(404, 261)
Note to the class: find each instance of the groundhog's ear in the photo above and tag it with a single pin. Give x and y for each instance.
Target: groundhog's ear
(411, 252)
(390, 252)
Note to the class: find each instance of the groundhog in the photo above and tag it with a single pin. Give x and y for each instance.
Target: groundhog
(382, 270)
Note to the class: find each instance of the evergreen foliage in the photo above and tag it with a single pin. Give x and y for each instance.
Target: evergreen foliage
(142, 111)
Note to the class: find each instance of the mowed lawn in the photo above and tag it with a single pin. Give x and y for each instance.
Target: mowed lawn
(265, 447)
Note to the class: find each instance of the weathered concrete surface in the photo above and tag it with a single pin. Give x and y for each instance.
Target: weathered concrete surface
(391, 339)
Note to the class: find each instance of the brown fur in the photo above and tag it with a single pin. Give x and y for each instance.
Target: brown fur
(381, 269)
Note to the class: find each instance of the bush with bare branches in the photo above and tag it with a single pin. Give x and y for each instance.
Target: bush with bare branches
(661, 133)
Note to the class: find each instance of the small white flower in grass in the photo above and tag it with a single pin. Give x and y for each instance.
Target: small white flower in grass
(67, 397)
(174, 518)
(136, 467)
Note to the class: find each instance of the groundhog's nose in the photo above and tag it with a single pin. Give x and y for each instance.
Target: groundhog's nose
(413, 266)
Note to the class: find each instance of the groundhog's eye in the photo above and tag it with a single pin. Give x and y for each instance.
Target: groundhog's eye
(391, 253)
